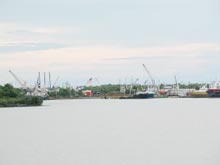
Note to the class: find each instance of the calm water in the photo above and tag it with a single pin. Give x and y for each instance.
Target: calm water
(112, 132)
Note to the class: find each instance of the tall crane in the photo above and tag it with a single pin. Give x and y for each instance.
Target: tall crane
(23, 84)
(151, 78)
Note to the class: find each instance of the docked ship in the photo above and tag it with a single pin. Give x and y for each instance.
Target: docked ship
(143, 95)
(214, 90)
(202, 92)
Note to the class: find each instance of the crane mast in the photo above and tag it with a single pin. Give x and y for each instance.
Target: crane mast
(23, 84)
(36, 91)
(151, 78)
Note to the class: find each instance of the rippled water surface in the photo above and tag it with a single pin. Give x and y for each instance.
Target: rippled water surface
(112, 132)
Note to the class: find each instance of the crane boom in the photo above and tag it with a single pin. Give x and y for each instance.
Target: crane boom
(152, 80)
(23, 84)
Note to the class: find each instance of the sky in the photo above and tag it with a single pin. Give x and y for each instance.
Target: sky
(109, 40)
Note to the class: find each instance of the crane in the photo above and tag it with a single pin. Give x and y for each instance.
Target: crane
(36, 91)
(151, 78)
(23, 84)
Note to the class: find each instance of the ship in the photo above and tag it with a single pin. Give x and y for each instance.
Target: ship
(202, 92)
(214, 90)
(143, 95)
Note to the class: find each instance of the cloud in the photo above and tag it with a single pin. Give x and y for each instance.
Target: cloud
(22, 37)
(25, 47)
(111, 63)
(111, 54)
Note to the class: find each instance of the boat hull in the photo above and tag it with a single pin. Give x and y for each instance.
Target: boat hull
(214, 92)
(144, 96)
(198, 94)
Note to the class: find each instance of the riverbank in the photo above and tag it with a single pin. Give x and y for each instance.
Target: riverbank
(21, 101)
(15, 97)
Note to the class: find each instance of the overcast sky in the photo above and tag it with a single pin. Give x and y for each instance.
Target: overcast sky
(110, 40)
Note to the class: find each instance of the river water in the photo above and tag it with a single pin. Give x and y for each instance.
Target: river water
(112, 132)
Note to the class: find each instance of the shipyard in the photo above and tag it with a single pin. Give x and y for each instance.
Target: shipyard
(109, 82)
(45, 89)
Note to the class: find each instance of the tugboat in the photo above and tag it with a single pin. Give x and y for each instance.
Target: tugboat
(214, 90)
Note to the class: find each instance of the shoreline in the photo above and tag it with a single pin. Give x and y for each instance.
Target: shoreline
(26, 101)
(18, 105)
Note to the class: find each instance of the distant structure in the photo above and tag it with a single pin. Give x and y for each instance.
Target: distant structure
(37, 90)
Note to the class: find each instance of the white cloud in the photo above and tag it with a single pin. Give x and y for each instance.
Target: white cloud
(82, 62)
(13, 33)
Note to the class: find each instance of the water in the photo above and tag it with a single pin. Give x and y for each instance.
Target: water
(112, 132)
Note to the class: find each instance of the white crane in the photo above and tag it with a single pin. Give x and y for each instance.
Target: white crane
(23, 84)
(151, 78)
(36, 91)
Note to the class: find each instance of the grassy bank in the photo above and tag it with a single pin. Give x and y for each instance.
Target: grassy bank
(21, 101)
(14, 97)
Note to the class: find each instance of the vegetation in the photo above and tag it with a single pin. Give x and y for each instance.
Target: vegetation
(191, 86)
(8, 91)
(62, 93)
(103, 89)
(10, 96)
